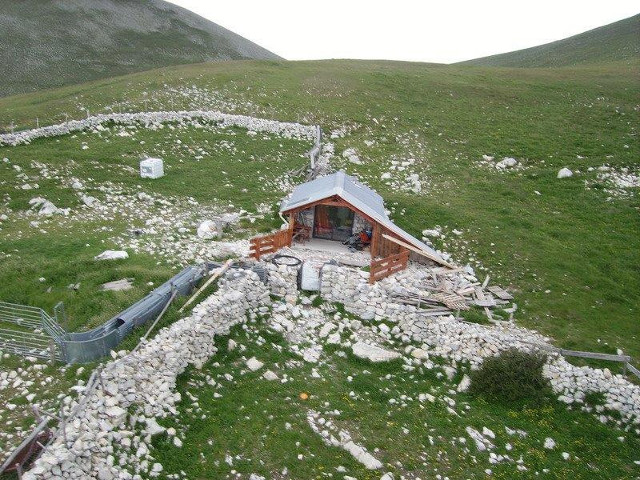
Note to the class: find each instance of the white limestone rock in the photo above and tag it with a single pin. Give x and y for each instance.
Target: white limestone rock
(373, 352)
(269, 375)
(112, 255)
(209, 229)
(254, 364)
(464, 384)
(565, 173)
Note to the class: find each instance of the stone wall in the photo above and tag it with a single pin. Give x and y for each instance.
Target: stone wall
(285, 129)
(144, 382)
(283, 281)
(470, 343)
(360, 223)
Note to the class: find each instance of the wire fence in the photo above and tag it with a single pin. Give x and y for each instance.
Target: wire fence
(37, 334)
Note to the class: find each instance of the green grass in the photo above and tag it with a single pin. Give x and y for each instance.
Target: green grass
(575, 244)
(618, 41)
(568, 240)
(65, 254)
(249, 420)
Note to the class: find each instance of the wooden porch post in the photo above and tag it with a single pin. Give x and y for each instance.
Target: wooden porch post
(291, 224)
(375, 233)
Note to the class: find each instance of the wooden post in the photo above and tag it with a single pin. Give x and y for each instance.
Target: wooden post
(291, 225)
(375, 241)
(52, 351)
(19, 471)
(218, 273)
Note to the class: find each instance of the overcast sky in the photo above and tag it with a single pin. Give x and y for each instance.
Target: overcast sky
(427, 31)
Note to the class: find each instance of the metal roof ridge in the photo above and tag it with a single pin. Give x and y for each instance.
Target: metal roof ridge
(340, 182)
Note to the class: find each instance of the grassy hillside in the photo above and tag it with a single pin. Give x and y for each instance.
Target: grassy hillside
(568, 248)
(571, 252)
(619, 41)
(49, 44)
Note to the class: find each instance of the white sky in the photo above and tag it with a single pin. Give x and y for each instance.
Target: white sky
(430, 31)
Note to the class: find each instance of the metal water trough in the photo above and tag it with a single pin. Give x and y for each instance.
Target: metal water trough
(97, 343)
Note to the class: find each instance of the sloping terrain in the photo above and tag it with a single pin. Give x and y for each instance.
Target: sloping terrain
(467, 157)
(576, 239)
(619, 41)
(49, 44)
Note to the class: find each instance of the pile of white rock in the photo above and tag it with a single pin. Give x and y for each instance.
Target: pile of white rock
(619, 182)
(117, 419)
(572, 384)
(470, 343)
(333, 437)
(284, 129)
(46, 208)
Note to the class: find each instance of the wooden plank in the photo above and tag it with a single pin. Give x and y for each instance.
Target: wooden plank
(595, 356)
(500, 292)
(418, 251)
(219, 272)
(633, 369)
(487, 302)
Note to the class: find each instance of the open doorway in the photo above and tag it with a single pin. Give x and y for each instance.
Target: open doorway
(333, 223)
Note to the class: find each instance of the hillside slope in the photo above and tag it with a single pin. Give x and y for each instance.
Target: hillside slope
(55, 43)
(617, 41)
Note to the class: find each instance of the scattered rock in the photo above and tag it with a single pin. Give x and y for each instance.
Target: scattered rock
(254, 364)
(373, 352)
(112, 255)
(209, 229)
(464, 384)
(118, 285)
(565, 173)
(269, 375)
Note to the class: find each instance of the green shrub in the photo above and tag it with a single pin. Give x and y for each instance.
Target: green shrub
(511, 377)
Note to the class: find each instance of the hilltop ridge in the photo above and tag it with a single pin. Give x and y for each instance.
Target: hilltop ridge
(57, 43)
(618, 41)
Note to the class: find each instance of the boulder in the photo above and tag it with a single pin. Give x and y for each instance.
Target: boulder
(254, 364)
(565, 173)
(208, 229)
(373, 352)
(112, 255)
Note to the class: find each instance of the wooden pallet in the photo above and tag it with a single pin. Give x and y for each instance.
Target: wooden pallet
(450, 300)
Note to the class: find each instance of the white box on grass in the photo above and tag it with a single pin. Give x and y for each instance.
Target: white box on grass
(151, 168)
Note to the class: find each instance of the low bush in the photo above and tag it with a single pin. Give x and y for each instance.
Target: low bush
(511, 377)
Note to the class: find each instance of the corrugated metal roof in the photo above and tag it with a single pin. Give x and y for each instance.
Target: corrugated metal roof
(352, 191)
